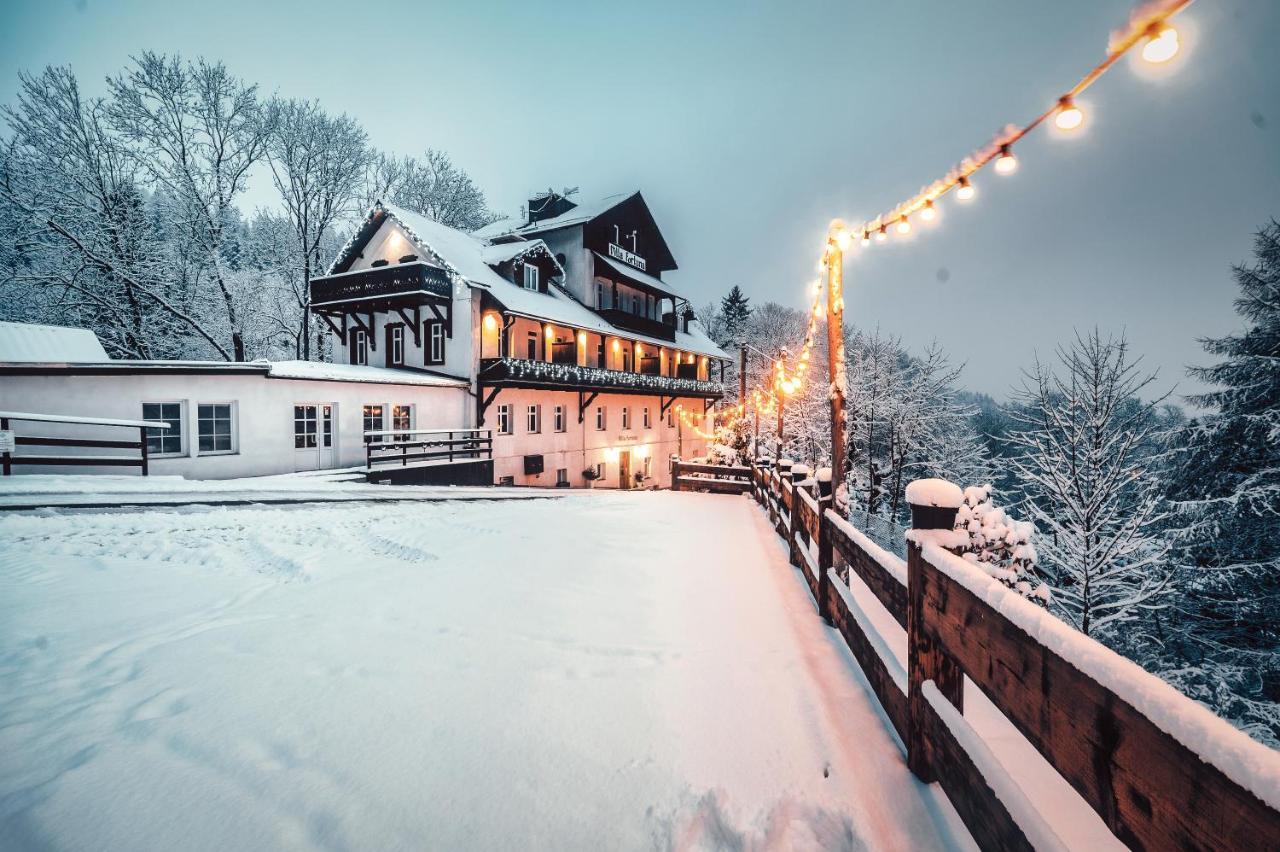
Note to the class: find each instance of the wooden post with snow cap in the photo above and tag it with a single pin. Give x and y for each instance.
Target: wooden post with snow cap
(934, 505)
(826, 553)
(834, 259)
(799, 473)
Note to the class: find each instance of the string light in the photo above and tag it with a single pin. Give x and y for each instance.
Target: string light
(929, 213)
(882, 234)
(1069, 116)
(866, 238)
(904, 226)
(1006, 163)
(965, 190)
(1162, 45)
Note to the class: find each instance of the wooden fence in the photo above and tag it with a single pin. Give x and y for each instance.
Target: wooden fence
(1152, 789)
(9, 458)
(430, 446)
(717, 479)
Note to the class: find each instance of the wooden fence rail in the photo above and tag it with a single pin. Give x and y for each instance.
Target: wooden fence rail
(717, 479)
(9, 459)
(1153, 784)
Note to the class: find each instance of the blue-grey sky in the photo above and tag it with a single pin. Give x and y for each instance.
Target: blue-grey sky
(749, 125)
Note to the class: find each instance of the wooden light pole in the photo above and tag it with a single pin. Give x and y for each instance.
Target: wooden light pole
(835, 356)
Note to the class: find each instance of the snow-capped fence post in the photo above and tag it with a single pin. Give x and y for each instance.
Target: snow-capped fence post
(934, 504)
(799, 474)
(826, 552)
(674, 464)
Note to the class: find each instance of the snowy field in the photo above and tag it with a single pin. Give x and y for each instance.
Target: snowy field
(601, 671)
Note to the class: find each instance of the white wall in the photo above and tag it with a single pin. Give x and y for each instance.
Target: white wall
(263, 415)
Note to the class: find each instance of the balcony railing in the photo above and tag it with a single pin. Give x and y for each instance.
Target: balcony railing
(516, 372)
(380, 282)
(634, 322)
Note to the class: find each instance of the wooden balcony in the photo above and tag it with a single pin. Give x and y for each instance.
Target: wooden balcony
(519, 373)
(403, 282)
(643, 325)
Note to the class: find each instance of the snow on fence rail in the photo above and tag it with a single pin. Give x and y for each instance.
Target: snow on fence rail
(10, 441)
(425, 446)
(1159, 769)
(718, 479)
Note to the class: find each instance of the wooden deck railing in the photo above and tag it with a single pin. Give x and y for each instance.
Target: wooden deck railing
(718, 479)
(9, 458)
(402, 446)
(1149, 784)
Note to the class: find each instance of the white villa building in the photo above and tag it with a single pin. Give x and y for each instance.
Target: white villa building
(555, 333)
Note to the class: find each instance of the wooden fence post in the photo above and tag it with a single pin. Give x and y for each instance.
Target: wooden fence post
(675, 475)
(142, 437)
(926, 660)
(6, 457)
(826, 552)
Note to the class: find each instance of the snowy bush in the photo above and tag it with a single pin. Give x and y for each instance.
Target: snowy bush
(1000, 545)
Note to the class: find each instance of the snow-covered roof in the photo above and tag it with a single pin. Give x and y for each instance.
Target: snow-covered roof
(327, 372)
(636, 275)
(504, 252)
(465, 255)
(48, 344)
(582, 213)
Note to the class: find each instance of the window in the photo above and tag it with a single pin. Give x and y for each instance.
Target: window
(599, 418)
(435, 342)
(402, 420)
(533, 419)
(507, 481)
(635, 305)
(644, 414)
(647, 468)
(373, 422)
(215, 424)
(626, 417)
(599, 295)
(651, 314)
(395, 345)
(530, 277)
(626, 359)
(559, 418)
(599, 470)
(504, 419)
(533, 346)
(359, 346)
(600, 355)
(670, 418)
(562, 476)
(164, 442)
(304, 427)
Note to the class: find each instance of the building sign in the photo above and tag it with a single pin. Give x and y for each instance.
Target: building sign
(629, 257)
(628, 439)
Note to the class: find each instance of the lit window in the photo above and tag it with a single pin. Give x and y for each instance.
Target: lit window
(599, 418)
(164, 442)
(626, 417)
(402, 420)
(559, 418)
(215, 427)
(359, 346)
(530, 277)
(435, 342)
(533, 419)
(373, 422)
(504, 419)
(395, 346)
(645, 417)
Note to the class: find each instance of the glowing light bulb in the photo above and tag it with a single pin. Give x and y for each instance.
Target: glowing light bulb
(929, 213)
(866, 238)
(842, 240)
(965, 190)
(1162, 45)
(1069, 116)
(1006, 163)
(882, 234)
(904, 226)
(490, 322)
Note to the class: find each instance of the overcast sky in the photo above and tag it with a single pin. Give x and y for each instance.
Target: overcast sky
(748, 126)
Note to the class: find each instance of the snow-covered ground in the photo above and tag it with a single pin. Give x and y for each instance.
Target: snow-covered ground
(605, 670)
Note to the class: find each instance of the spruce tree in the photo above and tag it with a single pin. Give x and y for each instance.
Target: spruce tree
(735, 311)
(1228, 487)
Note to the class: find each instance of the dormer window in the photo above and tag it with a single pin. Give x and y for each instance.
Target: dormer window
(530, 277)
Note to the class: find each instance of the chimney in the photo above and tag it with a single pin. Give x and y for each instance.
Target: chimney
(687, 316)
(548, 205)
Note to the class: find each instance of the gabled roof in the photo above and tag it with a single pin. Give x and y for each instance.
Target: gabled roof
(467, 259)
(26, 342)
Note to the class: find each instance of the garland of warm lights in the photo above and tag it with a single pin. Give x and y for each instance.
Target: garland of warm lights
(1148, 25)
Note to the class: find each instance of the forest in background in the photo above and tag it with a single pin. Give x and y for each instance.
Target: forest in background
(1151, 529)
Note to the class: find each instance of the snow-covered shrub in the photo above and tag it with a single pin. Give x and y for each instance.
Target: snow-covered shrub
(723, 454)
(1000, 545)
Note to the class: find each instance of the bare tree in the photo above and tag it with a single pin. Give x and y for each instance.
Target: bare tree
(431, 185)
(88, 243)
(317, 162)
(1082, 465)
(197, 131)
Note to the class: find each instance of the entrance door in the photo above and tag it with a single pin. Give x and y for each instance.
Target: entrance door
(624, 469)
(314, 436)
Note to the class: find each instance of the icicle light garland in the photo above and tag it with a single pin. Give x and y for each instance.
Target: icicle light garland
(1148, 26)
